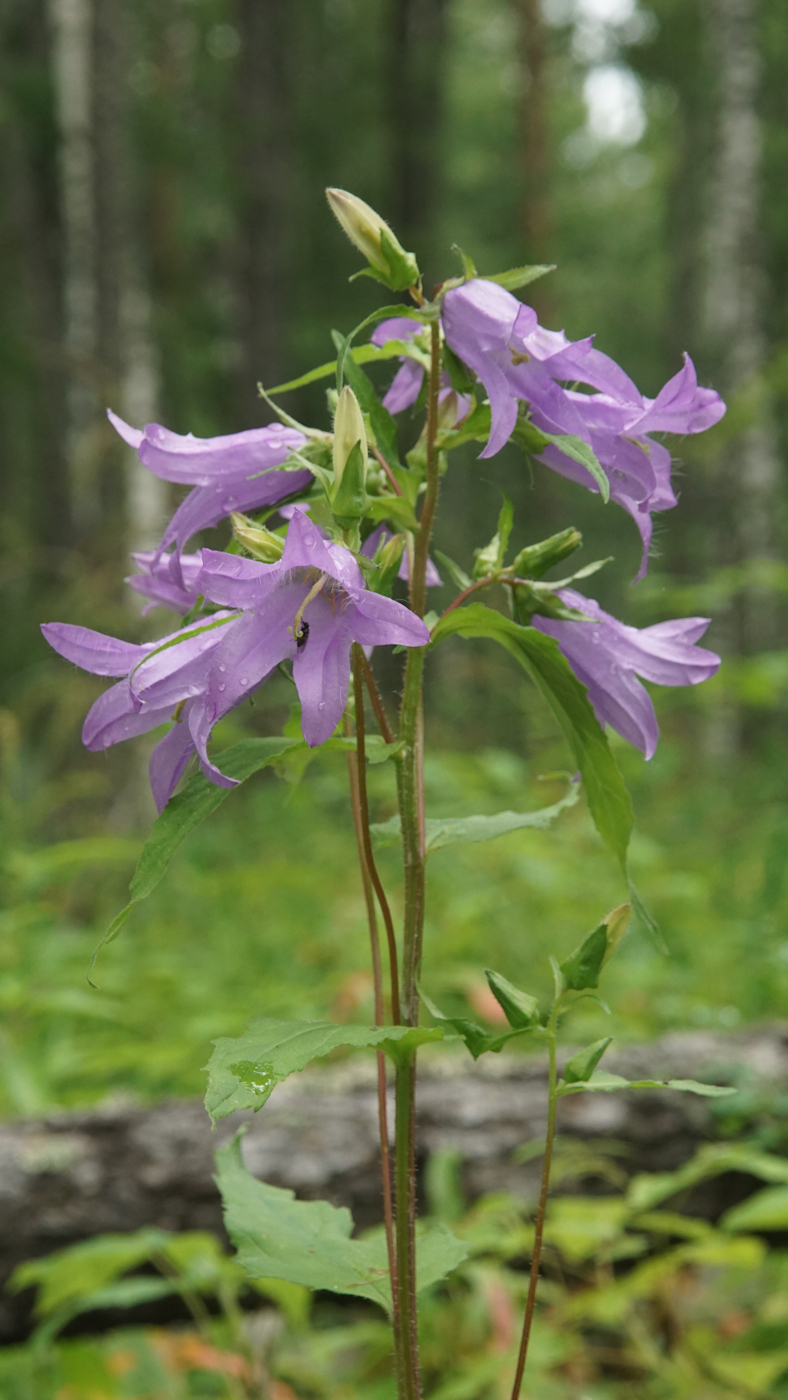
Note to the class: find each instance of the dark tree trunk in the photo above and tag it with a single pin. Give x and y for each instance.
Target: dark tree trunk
(263, 104)
(416, 56)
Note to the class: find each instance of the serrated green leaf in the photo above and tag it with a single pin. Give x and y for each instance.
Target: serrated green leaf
(468, 265)
(243, 1070)
(309, 1242)
(608, 799)
(451, 831)
(580, 1067)
(518, 277)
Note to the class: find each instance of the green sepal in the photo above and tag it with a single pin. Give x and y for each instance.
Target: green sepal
(532, 439)
(521, 1009)
(397, 508)
(529, 598)
(460, 376)
(385, 566)
(518, 277)
(349, 500)
(474, 428)
(476, 1038)
(490, 559)
(403, 268)
(536, 559)
(582, 968)
(608, 799)
(458, 576)
(579, 1069)
(468, 265)
(309, 1242)
(243, 1070)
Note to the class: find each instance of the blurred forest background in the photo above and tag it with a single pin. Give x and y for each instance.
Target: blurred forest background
(165, 245)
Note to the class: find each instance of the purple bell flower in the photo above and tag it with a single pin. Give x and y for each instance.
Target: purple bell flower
(161, 680)
(406, 385)
(233, 472)
(517, 360)
(310, 607)
(607, 656)
(155, 580)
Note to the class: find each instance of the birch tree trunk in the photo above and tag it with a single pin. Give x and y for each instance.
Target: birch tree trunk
(736, 295)
(535, 219)
(72, 26)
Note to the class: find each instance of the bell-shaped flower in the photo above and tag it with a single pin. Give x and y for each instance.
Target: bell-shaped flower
(235, 472)
(309, 607)
(607, 656)
(162, 681)
(406, 385)
(155, 580)
(518, 361)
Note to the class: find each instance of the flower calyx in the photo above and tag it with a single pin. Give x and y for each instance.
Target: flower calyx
(261, 543)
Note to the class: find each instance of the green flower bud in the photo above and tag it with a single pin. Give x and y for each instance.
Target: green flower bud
(536, 559)
(389, 263)
(262, 544)
(348, 430)
(582, 968)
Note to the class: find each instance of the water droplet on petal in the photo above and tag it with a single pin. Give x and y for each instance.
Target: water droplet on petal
(321, 705)
(222, 669)
(222, 686)
(244, 680)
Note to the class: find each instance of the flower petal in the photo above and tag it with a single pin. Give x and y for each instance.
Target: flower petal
(206, 461)
(378, 621)
(321, 671)
(115, 717)
(168, 762)
(405, 387)
(93, 651)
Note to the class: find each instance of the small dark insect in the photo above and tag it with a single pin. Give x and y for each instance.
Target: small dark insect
(303, 634)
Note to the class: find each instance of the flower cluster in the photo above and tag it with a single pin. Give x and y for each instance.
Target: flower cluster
(314, 586)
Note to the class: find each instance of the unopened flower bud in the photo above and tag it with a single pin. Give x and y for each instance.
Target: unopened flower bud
(536, 559)
(373, 237)
(262, 544)
(348, 430)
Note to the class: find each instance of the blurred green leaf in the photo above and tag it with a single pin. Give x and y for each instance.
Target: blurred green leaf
(452, 831)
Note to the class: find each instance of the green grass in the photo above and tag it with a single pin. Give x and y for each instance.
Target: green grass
(261, 913)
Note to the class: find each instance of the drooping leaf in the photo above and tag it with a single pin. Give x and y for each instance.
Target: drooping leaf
(608, 799)
(244, 1069)
(649, 1189)
(309, 1242)
(188, 809)
(580, 1067)
(381, 421)
(605, 1083)
(766, 1210)
(520, 1008)
(451, 831)
(476, 1038)
(518, 277)
(532, 439)
(360, 354)
(70, 1274)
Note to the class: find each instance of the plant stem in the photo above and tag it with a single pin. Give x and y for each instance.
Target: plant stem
(410, 785)
(385, 1156)
(540, 1214)
(377, 701)
(466, 592)
(361, 778)
(392, 480)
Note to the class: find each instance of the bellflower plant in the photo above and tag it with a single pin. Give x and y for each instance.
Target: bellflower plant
(346, 573)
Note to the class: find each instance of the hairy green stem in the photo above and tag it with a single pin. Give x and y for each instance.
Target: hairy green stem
(410, 785)
(536, 1257)
(362, 839)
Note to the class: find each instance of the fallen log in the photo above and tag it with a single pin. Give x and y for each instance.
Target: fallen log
(69, 1176)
